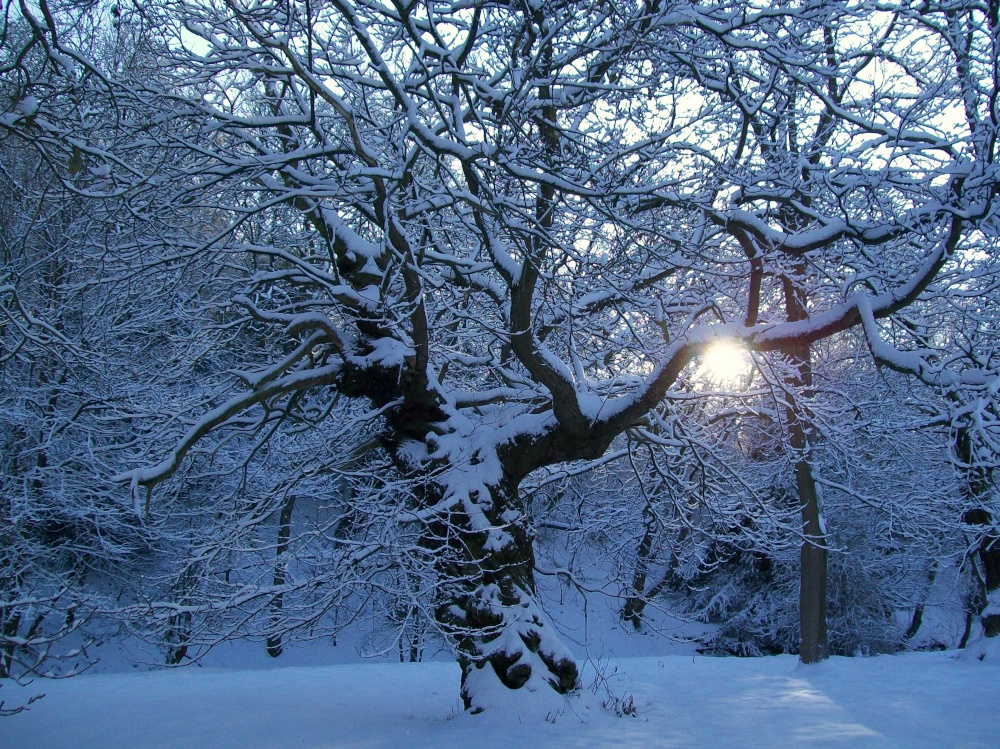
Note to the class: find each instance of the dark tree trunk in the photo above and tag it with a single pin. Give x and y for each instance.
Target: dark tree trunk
(978, 482)
(636, 605)
(179, 626)
(815, 645)
(177, 637)
(636, 602)
(482, 546)
(915, 621)
(10, 621)
(640, 598)
(489, 604)
(274, 646)
(918, 613)
(988, 552)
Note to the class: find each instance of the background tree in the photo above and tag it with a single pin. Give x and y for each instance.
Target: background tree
(60, 518)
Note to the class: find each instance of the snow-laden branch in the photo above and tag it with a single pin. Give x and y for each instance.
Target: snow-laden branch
(296, 381)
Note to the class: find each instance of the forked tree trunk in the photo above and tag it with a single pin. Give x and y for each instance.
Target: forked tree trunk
(486, 602)
(636, 603)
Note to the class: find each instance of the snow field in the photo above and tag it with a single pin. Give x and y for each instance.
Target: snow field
(934, 700)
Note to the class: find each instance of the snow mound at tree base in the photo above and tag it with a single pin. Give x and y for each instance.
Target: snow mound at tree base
(986, 649)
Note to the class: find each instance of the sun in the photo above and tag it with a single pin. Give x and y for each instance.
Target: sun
(726, 364)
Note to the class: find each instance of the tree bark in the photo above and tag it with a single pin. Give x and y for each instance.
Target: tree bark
(978, 482)
(988, 552)
(636, 602)
(10, 621)
(274, 645)
(815, 645)
(482, 546)
(918, 612)
(489, 605)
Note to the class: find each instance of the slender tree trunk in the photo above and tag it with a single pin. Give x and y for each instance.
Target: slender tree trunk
(915, 621)
(177, 636)
(274, 646)
(815, 645)
(10, 621)
(179, 625)
(411, 638)
(918, 612)
(636, 602)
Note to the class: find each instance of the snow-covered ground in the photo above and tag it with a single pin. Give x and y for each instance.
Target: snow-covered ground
(944, 700)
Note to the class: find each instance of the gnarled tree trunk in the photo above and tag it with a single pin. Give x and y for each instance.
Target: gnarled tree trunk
(489, 604)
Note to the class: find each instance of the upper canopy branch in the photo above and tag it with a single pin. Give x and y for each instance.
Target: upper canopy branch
(623, 411)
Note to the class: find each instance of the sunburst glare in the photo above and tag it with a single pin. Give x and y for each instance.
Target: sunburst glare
(725, 364)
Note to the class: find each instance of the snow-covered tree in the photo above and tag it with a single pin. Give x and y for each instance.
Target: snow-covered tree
(507, 229)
